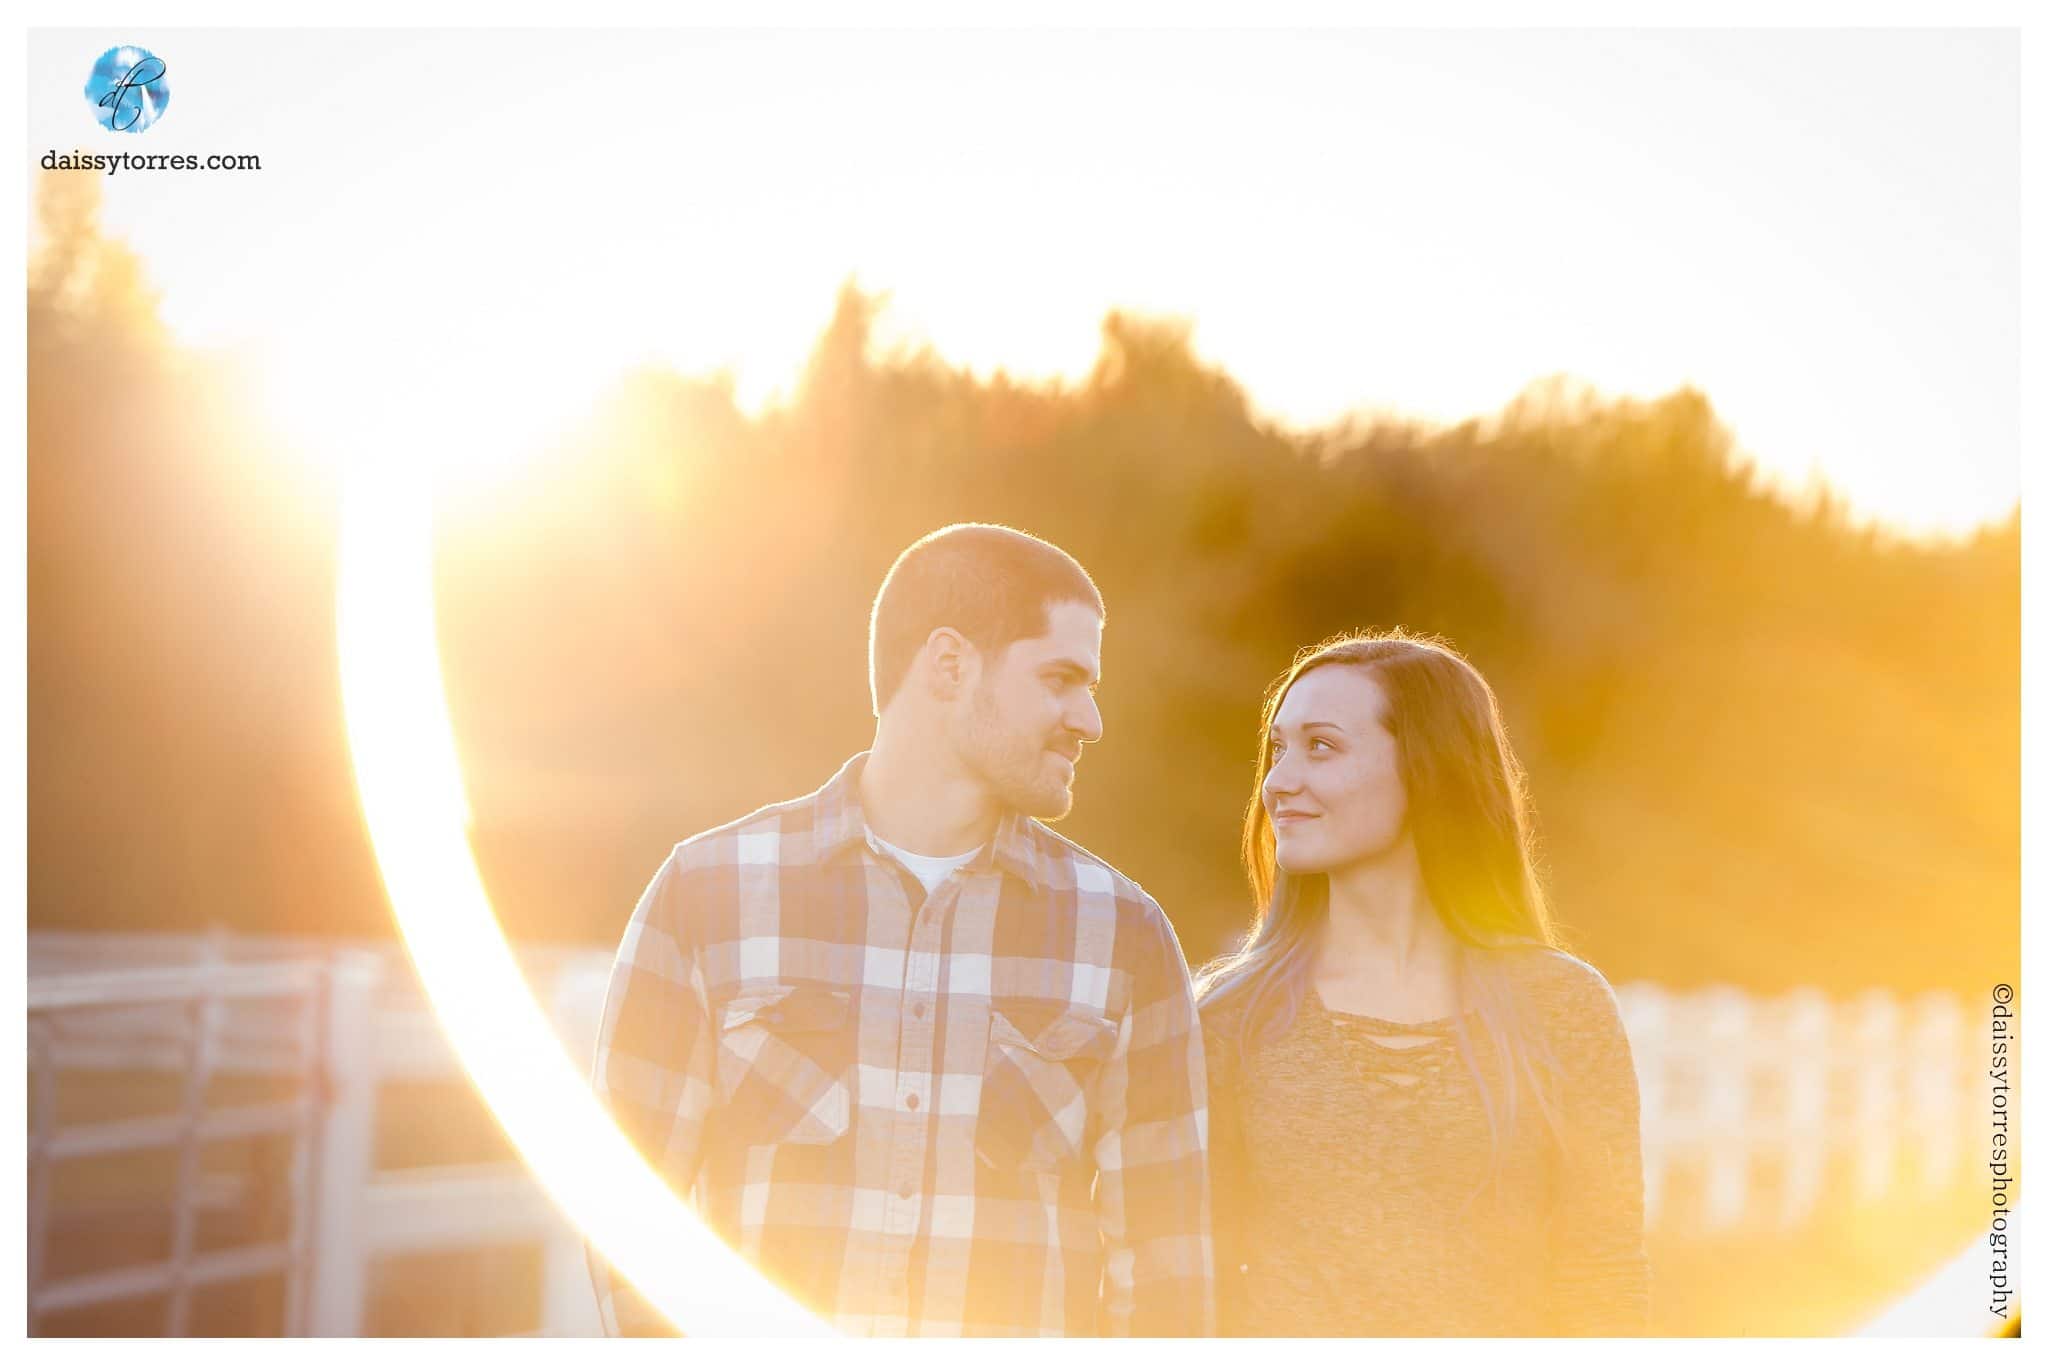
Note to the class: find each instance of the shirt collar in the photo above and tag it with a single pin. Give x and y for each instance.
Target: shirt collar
(838, 824)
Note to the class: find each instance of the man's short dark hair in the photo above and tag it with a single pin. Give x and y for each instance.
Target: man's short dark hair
(993, 584)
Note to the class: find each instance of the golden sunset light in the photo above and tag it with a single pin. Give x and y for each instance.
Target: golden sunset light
(411, 787)
(1332, 230)
(1022, 682)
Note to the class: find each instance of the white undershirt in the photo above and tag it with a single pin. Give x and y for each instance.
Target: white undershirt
(930, 871)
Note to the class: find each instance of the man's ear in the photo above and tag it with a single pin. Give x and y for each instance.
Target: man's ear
(949, 664)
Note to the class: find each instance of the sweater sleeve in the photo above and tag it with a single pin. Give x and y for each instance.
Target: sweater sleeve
(1599, 1269)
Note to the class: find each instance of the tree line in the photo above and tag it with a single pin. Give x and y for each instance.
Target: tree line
(1765, 744)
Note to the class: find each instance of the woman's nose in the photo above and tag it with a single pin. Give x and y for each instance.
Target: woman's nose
(1280, 780)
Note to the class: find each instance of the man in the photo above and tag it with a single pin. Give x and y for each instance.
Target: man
(931, 1067)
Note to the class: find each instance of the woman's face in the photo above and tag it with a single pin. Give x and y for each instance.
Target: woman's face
(1333, 791)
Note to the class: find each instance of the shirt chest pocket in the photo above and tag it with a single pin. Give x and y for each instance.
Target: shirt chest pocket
(1042, 1062)
(784, 1058)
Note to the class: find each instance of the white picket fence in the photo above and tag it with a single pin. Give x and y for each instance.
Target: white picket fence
(1759, 1098)
(1748, 1103)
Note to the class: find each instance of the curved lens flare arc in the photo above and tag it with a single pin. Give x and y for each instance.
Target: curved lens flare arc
(410, 785)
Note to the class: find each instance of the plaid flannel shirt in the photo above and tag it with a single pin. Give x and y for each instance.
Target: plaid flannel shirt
(980, 1112)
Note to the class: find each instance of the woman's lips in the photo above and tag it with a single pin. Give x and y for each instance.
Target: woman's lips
(1292, 817)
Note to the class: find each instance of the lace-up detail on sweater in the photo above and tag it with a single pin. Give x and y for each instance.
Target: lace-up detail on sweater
(1394, 1061)
(1359, 1190)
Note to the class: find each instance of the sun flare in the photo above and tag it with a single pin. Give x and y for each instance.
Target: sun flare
(410, 785)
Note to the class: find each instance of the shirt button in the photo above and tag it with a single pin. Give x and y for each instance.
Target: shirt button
(917, 1011)
(911, 1101)
(903, 1191)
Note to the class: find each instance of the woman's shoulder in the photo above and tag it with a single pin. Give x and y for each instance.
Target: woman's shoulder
(1579, 1016)
(1222, 1012)
(1558, 983)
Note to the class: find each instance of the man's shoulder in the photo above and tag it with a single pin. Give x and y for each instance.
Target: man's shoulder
(779, 833)
(1144, 944)
(1073, 867)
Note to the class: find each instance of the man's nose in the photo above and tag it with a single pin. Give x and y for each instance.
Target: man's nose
(1086, 721)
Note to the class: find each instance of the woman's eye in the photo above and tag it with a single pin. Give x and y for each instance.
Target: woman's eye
(1324, 742)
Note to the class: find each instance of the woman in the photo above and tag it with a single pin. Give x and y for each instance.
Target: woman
(1424, 1111)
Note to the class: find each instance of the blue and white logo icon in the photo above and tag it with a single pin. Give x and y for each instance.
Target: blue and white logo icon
(128, 89)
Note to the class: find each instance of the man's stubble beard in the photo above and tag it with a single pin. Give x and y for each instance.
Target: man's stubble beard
(1011, 764)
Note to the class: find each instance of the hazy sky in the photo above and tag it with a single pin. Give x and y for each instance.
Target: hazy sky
(1819, 229)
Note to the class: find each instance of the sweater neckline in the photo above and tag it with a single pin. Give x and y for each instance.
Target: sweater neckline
(1445, 1025)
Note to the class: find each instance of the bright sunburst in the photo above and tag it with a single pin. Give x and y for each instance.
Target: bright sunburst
(410, 785)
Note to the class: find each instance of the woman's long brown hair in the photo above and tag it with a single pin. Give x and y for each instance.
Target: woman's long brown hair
(1468, 812)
